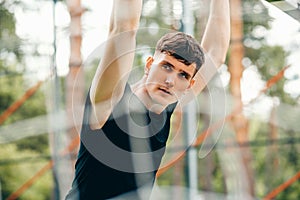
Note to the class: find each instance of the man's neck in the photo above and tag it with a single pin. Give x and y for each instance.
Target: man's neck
(141, 92)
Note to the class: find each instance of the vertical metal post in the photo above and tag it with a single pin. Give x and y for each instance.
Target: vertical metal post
(56, 97)
(54, 110)
(190, 113)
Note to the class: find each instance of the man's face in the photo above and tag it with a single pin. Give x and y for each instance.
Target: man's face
(168, 78)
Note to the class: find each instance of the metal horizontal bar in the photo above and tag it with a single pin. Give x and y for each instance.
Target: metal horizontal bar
(288, 8)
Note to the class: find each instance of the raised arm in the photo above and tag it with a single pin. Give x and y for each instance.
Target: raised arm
(216, 36)
(112, 73)
(215, 43)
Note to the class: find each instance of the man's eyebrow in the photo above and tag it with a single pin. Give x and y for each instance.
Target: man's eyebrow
(166, 63)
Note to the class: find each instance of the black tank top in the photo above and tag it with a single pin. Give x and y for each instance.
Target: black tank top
(125, 154)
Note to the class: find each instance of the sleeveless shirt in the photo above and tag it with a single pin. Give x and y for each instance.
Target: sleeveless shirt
(124, 154)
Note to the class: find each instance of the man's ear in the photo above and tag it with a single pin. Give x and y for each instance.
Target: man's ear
(149, 62)
(192, 81)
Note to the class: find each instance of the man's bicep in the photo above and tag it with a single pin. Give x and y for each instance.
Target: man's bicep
(113, 71)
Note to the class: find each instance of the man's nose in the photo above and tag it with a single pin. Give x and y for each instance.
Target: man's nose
(170, 81)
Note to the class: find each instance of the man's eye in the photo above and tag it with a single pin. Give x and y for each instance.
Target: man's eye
(167, 67)
(184, 75)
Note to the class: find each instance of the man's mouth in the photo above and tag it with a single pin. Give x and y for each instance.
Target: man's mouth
(165, 90)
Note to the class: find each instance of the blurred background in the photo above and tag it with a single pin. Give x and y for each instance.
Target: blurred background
(242, 141)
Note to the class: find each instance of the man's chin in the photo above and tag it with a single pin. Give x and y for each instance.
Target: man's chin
(164, 101)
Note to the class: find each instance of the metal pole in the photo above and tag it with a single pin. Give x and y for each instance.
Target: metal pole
(190, 113)
(54, 112)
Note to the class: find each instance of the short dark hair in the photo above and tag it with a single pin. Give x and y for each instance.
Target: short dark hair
(183, 47)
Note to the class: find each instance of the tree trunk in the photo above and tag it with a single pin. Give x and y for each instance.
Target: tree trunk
(74, 95)
(75, 77)
(239, 122)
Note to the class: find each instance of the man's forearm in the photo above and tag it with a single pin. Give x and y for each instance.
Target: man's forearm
(117, 60)
(215, 43)
(217, 33)
(125, 15)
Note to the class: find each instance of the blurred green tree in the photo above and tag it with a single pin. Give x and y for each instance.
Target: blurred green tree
(15, 159)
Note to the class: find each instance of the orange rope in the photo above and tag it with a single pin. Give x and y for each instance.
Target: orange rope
(275, 79)
(30, 182)
(165, 168)
(17, 104)
(282, 187)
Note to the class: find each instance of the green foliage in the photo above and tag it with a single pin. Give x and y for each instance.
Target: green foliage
(255, 15)
(9, 41)
(272, 166)
(39, 144)
(210, 165)
(291, 192)
(274, 163)
(16, 159)
(12, 88)
(269, 60)
(13, 174)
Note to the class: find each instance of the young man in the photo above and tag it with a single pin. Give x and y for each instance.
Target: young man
(125, 127)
